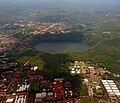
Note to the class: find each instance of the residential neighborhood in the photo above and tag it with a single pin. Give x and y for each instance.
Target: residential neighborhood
(26, 84)
(103, 90)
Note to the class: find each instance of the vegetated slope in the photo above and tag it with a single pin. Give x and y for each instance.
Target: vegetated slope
(105, 39)
(63, 37)
(105, 50)
(105, 53)
(54, 66)
(111, 26)
(37, 58)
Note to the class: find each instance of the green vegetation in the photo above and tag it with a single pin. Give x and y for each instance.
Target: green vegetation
(76, 83)
(118, 83)
(83, 90)
(98, 91)
(110, 26)
(55, 66)
(106, 54)
(36, 86)
(100, 31)
(88, 100)
(63, 37)
(29, 54)
(105, 40)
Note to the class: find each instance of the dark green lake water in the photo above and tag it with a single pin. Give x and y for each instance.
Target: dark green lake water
(61, 47)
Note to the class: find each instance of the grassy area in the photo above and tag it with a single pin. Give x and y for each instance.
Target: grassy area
(36, 86)
(83, 90)
(88, 100)
(93, 80)
(106, 53)
(111, 26)
(105, 46)
(118, 83)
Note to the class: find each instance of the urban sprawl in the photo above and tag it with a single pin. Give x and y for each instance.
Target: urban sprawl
(16, 83)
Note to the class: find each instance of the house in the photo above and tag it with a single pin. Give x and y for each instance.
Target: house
(10, 100)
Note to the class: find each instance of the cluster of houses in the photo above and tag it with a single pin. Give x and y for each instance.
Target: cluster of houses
(7, 67)
(52, 91)
(17, 89)
(18, 85)
(52, 28)
(17, 24)
(75, 67)
(47, 90)
(21, 98)
(27, 84)
(4, 81)
(57, 90)
(7, 42)
(112, 90)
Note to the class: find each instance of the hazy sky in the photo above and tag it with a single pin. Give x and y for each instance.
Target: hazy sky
(59, 3)
(77, 1)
